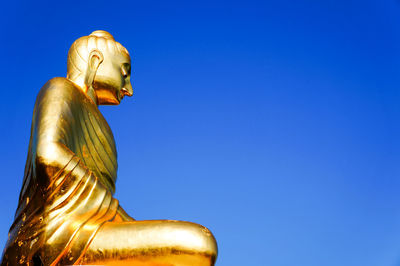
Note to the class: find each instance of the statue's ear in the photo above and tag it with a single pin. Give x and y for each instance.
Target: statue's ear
(94, 61)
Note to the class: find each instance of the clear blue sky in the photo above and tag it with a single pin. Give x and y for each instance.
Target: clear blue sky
(274, 123)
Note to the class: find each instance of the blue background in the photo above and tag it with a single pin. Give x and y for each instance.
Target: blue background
(274, 123)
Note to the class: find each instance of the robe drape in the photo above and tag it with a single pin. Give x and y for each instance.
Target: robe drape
(69, 179)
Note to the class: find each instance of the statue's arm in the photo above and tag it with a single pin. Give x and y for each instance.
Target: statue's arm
(52, 126)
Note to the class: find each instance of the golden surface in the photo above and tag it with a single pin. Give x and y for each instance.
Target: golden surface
(66, 212)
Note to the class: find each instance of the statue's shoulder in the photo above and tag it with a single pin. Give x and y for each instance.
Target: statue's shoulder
(57, 88)
(59, 85)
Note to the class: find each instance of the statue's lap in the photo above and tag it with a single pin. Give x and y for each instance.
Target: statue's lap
(162, 242)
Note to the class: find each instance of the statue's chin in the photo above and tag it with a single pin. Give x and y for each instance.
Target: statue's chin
(107, 94)
(109, 102)
(107, 98)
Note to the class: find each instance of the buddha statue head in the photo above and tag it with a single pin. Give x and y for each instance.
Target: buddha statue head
(101, 67)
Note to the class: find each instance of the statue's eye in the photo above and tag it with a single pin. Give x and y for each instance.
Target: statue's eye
(125, 69)
(124, 72)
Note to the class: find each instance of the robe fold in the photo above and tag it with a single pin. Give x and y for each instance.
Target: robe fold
(69, 180)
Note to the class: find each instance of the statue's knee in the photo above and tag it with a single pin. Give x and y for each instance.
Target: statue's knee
(195, 236)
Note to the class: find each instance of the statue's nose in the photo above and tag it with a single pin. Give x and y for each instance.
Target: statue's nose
(127, 89)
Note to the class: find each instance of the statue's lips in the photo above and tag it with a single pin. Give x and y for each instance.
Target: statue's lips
(122, 93)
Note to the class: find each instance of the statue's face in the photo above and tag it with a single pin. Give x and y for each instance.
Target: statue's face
(113, 79)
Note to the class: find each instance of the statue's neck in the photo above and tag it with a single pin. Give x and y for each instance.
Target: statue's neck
(88, 91)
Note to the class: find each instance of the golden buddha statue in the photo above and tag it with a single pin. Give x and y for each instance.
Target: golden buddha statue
(67, 214)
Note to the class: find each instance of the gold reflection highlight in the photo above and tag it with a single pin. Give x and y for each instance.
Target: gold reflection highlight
(67, 214)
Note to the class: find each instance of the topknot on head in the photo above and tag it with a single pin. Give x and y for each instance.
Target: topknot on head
(102, 34)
